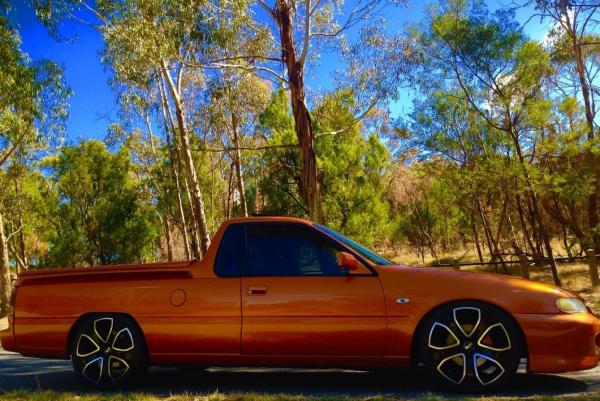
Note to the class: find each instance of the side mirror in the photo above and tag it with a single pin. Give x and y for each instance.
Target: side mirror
(347, 261)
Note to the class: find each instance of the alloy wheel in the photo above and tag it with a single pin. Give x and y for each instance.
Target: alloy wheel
(471, 346)
(106, 350)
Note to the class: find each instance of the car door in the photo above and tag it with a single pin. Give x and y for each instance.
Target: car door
(297, 301)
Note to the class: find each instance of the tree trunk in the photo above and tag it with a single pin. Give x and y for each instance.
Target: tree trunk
(169, 240)
(476, 238)
(503, 217)
(536, 211)
(528, 243)
(20, 264)
(229, 192)
(196, 193)
(311, 186)
(238, 165)
(175, 163)
(194, 240)
(546, 239)
(22, 251)
(5, 278)
(492, 245)
(591, 159)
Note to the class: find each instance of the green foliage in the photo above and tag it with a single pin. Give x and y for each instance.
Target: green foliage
(97, 215)
(352, 165)
(33, 97)
(498, 129)
(280, 181)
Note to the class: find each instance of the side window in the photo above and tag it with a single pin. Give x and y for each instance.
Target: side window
(276, 249)
(230, 255)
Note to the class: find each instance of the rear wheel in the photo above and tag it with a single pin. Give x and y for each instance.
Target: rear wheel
(470, 346)
(108, 351)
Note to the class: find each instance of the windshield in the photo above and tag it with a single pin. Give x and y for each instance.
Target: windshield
(366, 252)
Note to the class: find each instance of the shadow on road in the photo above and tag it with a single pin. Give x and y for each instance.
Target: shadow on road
(26, 373)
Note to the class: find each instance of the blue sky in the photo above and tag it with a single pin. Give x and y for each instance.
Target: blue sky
(93, 105)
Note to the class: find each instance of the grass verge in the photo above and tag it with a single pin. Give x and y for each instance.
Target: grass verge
(56, 396)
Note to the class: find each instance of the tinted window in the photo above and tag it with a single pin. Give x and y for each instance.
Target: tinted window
(276, 249)
(231, 251)
(366, 252)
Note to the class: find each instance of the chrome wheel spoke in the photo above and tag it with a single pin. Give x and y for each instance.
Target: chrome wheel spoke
(123, 341)
(117, 367)
(454, 368)
(86, 346)
(441, 337)
(495, 338)
(103, 327)
(487, 369)
(467, 319)
(92, 371)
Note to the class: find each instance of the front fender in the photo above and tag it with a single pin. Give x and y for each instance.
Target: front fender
(427, 288)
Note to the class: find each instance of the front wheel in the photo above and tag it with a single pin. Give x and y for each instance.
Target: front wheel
(470, 346)
(108, 351)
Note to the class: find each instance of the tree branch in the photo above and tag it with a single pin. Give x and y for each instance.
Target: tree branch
(268, 9)
(230, 148)
(306, 44)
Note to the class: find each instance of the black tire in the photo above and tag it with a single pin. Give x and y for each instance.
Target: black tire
(108, 351)
(470, 346)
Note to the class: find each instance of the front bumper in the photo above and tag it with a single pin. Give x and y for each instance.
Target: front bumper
(561, 342)
(7, 335)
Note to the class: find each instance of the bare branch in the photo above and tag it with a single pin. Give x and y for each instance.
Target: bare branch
(10, 151)
(268, 9)
(244, 67)
(306, 44)
(358, 14)
(231, 148)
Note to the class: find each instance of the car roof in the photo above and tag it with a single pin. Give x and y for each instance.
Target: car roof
(261, 218)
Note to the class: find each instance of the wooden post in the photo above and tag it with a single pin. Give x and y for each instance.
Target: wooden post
(455, 263)
(524, 265)
(591, 256)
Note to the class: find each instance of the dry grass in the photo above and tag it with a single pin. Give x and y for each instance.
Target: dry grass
(574, 276)
(53, 396)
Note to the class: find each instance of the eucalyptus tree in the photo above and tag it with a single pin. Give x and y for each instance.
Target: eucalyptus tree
(97, 207)
(498, 72)
(173, 46)
(144, 41)
(576, 54)
(354, 166)
(444, 125)
(301, 31)
(567, 176)
(32, 112)
(236, 100)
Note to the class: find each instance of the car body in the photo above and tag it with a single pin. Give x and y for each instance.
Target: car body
(242, 305)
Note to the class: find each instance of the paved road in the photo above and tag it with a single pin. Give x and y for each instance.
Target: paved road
(17, 372)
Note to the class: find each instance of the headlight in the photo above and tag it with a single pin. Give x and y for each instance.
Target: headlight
(571, 305)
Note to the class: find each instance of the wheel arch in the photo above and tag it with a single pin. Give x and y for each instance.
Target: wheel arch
(414, 351)
(87, 315)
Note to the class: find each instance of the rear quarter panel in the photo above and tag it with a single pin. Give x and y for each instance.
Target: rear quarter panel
(208, 320)
(49, 303)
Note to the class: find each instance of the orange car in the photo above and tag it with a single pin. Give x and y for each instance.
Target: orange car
(274, 291)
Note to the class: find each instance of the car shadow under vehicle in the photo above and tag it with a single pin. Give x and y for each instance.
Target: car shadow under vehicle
(18, 372)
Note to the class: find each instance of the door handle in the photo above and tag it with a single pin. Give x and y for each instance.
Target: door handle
(257, 290)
